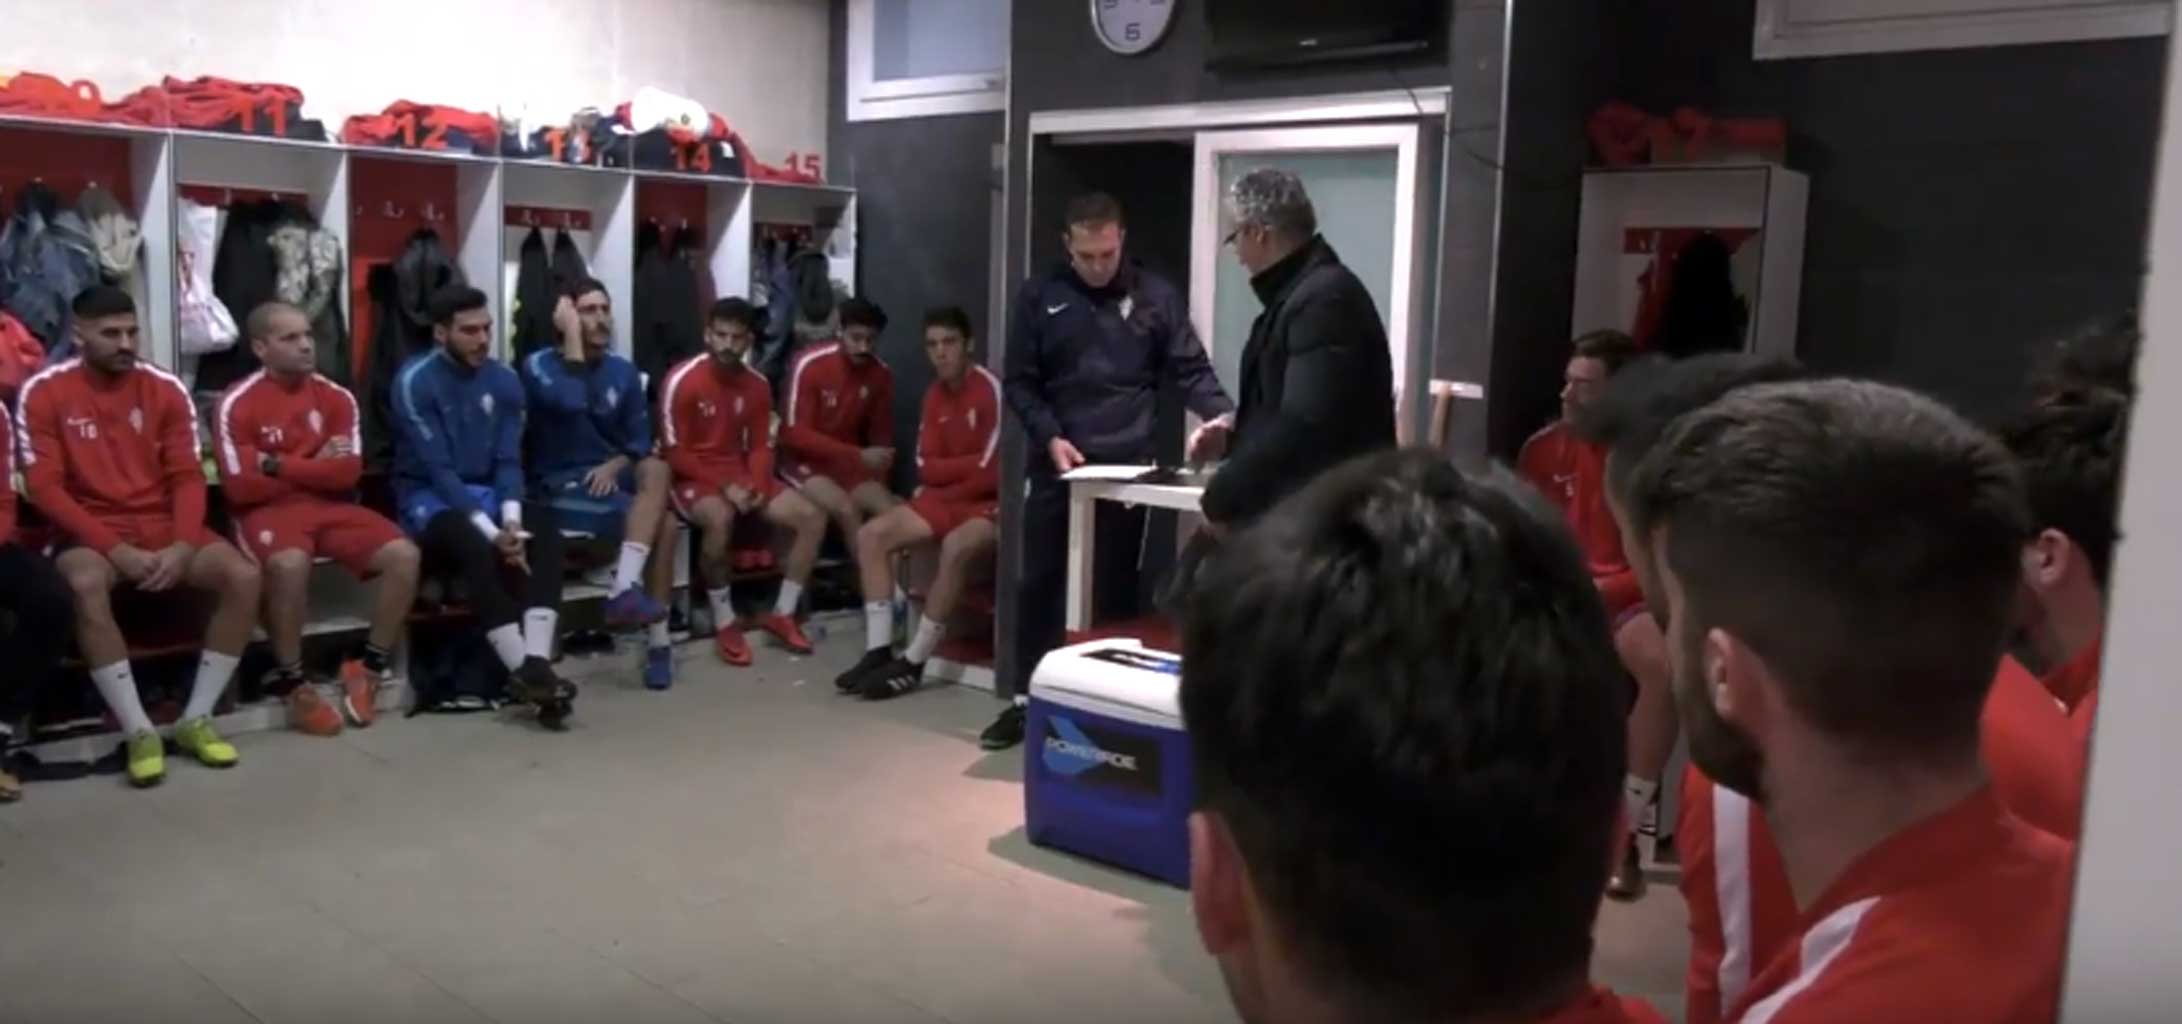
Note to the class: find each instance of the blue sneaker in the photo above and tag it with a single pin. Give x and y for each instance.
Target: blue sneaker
(633, 609)
(659, 668)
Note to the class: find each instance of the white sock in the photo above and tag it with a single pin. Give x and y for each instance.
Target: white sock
(878, 625)
(117, 685)
(927, 638)
(659, 635)
(213, 671)
(723, 607)
(1636, 798)
(507, 642)
(629, 572)
(539, 627)
(901, 597)
(791, 595)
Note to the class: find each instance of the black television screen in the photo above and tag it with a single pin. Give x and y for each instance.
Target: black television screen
(1256, 33)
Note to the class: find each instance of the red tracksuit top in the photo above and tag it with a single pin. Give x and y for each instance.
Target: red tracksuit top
(264, 415)
(1741, 910)
(836, 409)
(716, 425)
(1571, 473)
(1960, 917)
(958, 440)
(125, 448)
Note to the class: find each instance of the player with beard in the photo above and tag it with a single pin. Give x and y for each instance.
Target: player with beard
(1389, 657)
(1740, 905)
(1840, 562)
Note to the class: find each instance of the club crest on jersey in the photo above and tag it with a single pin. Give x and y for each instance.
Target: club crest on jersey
(265, 538)
(1128, 304)
(136, 419)
(317, 422)
(973, 419)
(863, 393)
(738, 405)
(485, 402)
(613, 398)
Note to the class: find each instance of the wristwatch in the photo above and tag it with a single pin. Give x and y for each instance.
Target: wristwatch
(269, 464)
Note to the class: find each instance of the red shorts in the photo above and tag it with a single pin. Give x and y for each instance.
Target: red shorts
(153, 533)
(847, 478)
(945, 517)
(349, 534)
(686, 493)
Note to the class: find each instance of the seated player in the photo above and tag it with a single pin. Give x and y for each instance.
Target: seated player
(458, 484)
(110, 458)
(837, 438)
(1720, 836)
(957, 500)
(716, 427)
(34, 616)
(1406, 725)
(1570, 472)
(590, 456)
(1841, 565)
(290, 454)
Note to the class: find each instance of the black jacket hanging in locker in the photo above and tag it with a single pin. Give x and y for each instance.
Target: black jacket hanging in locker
(668, 303)
(245, 276)
(531, 324)
(401, 293)
(568, 267)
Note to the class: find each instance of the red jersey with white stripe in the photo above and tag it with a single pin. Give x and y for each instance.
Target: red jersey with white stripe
(264, 414)
(99, 448)
(7, 481)
(716, 425)
(1741, 909)
(837, 407)
(958, 440)
(1960, 917)
(1571, 473)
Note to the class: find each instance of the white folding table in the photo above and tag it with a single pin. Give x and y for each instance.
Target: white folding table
(1089, 484)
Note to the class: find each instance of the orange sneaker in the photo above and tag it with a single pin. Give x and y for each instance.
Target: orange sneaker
(359, 694)
(310, 713)
(734, 648)
(785, 630)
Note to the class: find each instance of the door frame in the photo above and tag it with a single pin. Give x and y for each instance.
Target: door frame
(1404, 138)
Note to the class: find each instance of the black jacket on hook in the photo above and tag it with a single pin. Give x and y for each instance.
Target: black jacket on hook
(400, 303)
(531, 323)
(668, 303)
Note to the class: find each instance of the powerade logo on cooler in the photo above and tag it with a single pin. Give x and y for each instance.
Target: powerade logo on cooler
(1146, 661)
(1099, 756)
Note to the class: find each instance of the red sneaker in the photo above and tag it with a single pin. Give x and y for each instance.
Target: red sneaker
(785, 630)
(734, 648)
(359, 694)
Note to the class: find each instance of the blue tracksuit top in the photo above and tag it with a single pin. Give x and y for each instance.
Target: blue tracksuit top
(582, 415)
(454, 427)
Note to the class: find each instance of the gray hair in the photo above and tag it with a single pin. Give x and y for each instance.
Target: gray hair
(1273, 198)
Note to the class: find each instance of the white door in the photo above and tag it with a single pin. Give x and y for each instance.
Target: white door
(1363, 181)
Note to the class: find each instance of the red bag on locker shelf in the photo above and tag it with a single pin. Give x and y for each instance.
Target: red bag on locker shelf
(246, 108)
(39, 95)
(407, 125)
(759, 170)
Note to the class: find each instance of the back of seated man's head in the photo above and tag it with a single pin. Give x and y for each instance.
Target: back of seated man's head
(1406, 720)
(1839, 562)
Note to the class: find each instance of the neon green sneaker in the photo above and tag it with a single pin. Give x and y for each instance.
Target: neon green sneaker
(197, 738)
(147, 760)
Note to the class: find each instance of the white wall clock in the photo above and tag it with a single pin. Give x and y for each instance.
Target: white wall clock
(1130, 27)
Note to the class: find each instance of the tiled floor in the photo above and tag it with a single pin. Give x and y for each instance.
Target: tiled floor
(746, 848)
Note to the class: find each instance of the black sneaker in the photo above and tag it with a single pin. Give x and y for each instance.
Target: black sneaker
(536, 683)
(1006, 730)
(852, 681)
(898, 676)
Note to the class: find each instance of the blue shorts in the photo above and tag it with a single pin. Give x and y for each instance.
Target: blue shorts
(421, 506)
(604, 517)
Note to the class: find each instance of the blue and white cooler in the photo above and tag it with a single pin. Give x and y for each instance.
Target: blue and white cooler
(1107, 766)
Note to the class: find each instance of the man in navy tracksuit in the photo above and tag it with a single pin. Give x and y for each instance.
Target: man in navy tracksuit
(589, 454)
(458, 486)
(1090, 344)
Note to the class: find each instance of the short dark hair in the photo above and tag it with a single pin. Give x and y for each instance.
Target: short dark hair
(260, 323)
(862, 312)
(951, 317)
(1862, 539)
(2101, 355)
(454, 299)
(1610, 347)
(582, 286)
(101, 300)
(2070, 446)
(1094, 208)
(734, 310)
(1649, 393)
(1402, 700)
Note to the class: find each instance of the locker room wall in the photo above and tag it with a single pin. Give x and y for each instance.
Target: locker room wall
(761, 64)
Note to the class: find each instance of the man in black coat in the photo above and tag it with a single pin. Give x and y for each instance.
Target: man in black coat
(1317, 374)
